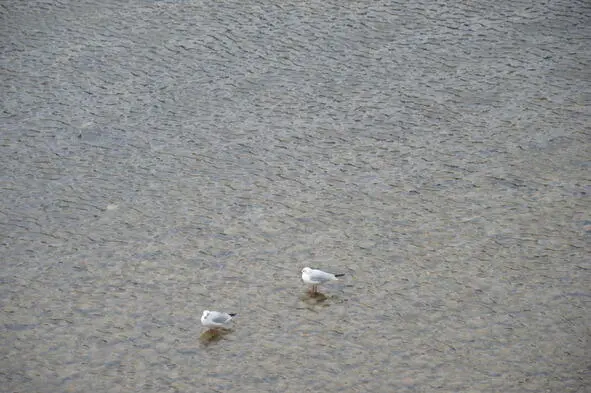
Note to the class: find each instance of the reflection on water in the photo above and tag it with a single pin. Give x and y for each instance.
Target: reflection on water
(314, 298)
(214, 335)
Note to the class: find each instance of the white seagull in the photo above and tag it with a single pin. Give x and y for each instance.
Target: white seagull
(215, 319)
(315, 277)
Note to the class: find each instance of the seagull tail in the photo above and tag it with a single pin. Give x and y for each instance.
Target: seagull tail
(339, 275)
(233, 315)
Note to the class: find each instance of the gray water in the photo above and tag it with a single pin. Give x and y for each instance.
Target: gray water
(160, 158)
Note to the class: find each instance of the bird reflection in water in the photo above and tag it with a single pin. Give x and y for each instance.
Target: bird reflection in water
(314, 298)
(213, 335)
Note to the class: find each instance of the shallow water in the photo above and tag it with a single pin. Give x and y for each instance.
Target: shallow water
(165, 157)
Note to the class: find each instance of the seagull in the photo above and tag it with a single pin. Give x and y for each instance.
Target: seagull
(316, 277)
(215, 319)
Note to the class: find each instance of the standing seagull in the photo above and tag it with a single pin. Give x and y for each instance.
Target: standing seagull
(215, 319)
(316, 277)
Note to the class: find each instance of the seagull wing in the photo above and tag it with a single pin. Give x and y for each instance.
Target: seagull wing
(321, 276)
(220, 317)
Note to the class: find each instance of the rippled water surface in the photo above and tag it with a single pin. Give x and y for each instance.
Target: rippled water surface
(160, 158)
